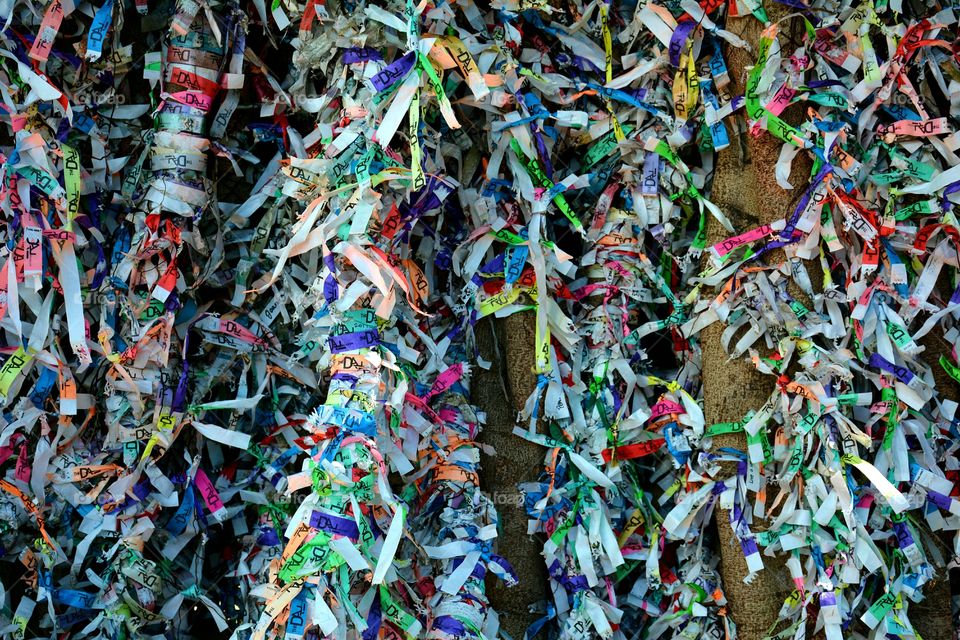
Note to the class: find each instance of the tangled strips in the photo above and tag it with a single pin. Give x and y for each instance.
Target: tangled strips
(840, 464)
(411, 564)
(245, 404)
(858, 418)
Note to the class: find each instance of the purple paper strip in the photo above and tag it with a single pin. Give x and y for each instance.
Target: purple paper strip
(361, 54)
(394, 72)
(680, 36)
(353, 341)
(334, 524)
(903, 374)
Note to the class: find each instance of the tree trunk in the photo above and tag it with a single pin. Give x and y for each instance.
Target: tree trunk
(501, 391)
(745, 188)
(933, 616)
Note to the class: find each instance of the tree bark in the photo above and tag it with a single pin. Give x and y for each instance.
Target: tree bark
(501, 391)
(745, 188)
(933, 616)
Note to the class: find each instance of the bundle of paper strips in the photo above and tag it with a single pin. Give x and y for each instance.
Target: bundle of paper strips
(247, 252)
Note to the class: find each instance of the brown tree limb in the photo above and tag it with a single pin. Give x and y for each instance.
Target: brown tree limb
(745, 188)
(501, 391)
